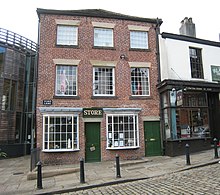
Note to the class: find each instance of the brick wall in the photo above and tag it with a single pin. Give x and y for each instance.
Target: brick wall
(85, 52)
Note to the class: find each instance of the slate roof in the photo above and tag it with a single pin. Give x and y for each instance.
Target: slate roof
(100, 13)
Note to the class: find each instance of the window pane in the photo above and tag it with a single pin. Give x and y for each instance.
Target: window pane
(9, 95)
(140, 81)
(6, 95)
(13, 95)
(66, 35)
(103, 83)
(66, 80)
(2, 53)
(139, 40)
(63, 132)
(103, 37)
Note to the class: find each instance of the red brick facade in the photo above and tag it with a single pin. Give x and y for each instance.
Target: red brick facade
(85, 52)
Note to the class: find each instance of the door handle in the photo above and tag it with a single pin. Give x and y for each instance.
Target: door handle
(152, 139)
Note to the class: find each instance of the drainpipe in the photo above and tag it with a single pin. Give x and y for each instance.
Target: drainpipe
(157, 30)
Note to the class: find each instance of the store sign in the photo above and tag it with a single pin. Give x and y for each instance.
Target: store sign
(215, 73)
(47, 102)
(92, 112)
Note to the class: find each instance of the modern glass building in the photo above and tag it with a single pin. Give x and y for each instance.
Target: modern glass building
(18, 73)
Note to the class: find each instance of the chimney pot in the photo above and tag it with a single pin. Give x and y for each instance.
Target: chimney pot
(187, 27)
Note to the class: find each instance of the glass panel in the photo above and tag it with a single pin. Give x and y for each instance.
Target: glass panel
(192, 122)
(6, 95)
(18, 128)
(196, 63)
(13, 95)
(67, 35)
(66, 80)
(103, 81)
(103, 37)
(61, 132)
(140, 81)
(2, 52)
(124, 131)
(139, 40)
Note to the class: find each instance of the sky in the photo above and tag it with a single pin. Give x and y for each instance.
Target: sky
(20, 16)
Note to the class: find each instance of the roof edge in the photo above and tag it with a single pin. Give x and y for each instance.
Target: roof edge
(100, 13)
(189, 39)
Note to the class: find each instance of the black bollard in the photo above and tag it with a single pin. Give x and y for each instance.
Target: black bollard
(187, 155)
(215, 147)
(82, 174)
(118, 174)
(39, 175)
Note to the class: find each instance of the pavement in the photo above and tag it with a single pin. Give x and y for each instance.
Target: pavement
(16, 178)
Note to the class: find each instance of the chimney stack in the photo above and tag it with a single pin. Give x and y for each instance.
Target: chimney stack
(187, 27)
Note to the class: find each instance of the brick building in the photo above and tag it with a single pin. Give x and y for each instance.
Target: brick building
(97, 94)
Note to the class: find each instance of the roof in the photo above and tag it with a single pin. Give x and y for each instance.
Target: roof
(100, 13)
(189, 39)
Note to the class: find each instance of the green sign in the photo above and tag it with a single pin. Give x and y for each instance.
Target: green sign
(92, 112)
(215, 73)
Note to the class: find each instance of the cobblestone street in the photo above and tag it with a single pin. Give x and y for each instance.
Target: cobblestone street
(204, 180)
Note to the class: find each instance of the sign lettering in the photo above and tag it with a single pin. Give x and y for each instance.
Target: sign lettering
(92, 112)
(47, 102)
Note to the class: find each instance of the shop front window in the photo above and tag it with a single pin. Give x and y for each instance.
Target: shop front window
(122, 131)
(190, 120)
(60, 133)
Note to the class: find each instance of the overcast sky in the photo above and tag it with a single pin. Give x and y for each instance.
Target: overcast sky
(20, 16)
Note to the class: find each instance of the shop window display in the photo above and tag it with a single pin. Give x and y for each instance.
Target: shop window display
(190, 119)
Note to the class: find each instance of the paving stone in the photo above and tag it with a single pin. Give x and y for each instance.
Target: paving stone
(199, 181)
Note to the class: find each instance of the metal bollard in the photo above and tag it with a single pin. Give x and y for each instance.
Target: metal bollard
(82, 172)
(118, 174)
(215, 147)
(39, 175)
(187, 155)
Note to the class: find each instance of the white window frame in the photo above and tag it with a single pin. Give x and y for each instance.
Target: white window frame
(63, 40)
(113, 82)
(100, 39)
(136, 42)
(66, 81)
(48, 128)
(121, 142)
(138, 85)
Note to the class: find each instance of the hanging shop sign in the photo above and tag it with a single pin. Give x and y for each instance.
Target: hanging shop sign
(179, 97)
(92, 112)
(215, 73)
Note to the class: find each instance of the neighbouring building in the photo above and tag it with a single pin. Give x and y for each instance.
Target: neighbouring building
(97, 94)
(189, 90)
(18, 65)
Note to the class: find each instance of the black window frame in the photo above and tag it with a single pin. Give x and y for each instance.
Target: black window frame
(196, 63)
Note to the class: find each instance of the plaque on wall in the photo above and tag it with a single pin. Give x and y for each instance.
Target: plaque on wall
(47, 102)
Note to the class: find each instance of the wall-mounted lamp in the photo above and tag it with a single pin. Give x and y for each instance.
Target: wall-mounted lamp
(122, 56)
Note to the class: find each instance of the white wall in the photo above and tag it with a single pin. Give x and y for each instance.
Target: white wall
(175, 60)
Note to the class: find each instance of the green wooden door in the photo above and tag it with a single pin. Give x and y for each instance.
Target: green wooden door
(152, 138)
(93, 149)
